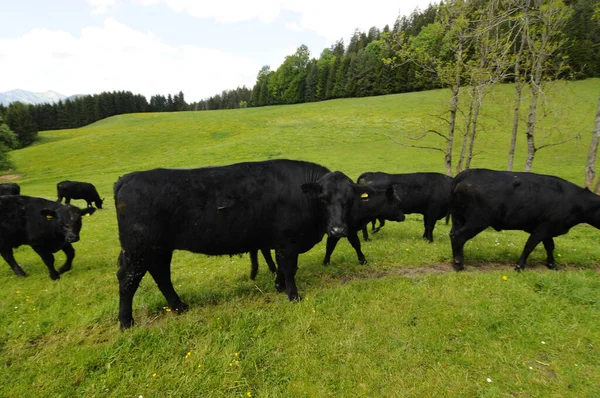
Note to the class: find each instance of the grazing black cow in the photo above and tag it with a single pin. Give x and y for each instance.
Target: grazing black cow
(281, 204)
(543, 206)
(386, 206)
(10, 188)
(44, 225)
(78, 190)
(424, 193)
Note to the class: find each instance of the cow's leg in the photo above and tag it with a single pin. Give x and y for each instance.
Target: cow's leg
(429, 222)
(458, 238)
(331, 243)
(68, 200)
(7, 255)
(159, 267)
(381, 224)
(70, 253)
(60, 198)
(279, 278)
(288, 263)
(269, 259)
(549, 246)
(531, 243)
(130, 274)
(48, 259)
(365, 234)
(253, 264)
(353, 239)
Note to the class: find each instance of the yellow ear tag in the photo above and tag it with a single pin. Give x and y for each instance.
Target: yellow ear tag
(364, 196)
(49, 217)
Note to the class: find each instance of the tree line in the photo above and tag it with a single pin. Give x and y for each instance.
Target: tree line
(466, 46)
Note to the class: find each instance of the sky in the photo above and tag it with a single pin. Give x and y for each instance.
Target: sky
(163, 47)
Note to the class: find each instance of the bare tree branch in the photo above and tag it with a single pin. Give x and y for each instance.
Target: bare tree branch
(416, 146)
(558, 143)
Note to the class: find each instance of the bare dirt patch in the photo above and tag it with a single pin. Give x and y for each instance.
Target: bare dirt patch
(437, 269)
(9, 177)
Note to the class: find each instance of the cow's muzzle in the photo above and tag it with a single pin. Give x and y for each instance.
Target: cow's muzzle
(72, 238)
(338, 232)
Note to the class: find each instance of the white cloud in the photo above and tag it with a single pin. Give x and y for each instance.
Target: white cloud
(101, 6)
(332, 19)
(117, 57)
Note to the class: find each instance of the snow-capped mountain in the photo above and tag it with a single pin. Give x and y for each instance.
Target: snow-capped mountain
(28, 97)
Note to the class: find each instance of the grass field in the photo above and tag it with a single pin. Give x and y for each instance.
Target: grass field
(404, 325)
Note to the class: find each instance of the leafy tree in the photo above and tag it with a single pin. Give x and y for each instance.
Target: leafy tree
(287, 84)
(7, 137)
(590, 174)
(20, 120)
(8, 141)
(545, 44)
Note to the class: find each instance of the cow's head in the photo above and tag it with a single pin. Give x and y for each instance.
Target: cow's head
(381, 203)
(98, 203)
(337, 194)
(66, 220)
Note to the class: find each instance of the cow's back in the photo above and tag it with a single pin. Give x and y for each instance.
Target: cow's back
(417, 191)
(516, 200)
(219, 210)
(10, 188)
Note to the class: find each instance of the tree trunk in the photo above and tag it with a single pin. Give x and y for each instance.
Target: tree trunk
(590, 173)
(452, 124)
(535, 93)
(463, 149)
(453, 110)
(477, 106)
(518, 88)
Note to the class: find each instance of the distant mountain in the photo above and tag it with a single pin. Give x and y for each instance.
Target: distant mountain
(27, 97)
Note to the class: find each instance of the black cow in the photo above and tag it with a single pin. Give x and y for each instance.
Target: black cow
(78, 190)
(44, 225)
(424, 193)
(282, 204)
(10, 188)
(543, 206)
(386, 207)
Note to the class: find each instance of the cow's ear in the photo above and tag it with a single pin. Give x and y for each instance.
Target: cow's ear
(364, 192)
(87, 211)
(312, 189)
(48, 214)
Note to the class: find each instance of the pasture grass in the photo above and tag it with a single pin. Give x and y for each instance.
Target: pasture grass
(404, 325)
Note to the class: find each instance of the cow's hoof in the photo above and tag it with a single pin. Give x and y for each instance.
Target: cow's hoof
(20, 273)
(458, 267)
(180, 308)
(519, 269)
(294, 297)
(326, 262)
(62, 270)
(126, 324)
(280, 287)
(54, 276)
(552, 267)
(363, 261)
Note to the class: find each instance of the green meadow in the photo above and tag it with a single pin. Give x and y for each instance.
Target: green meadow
(405, 325)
